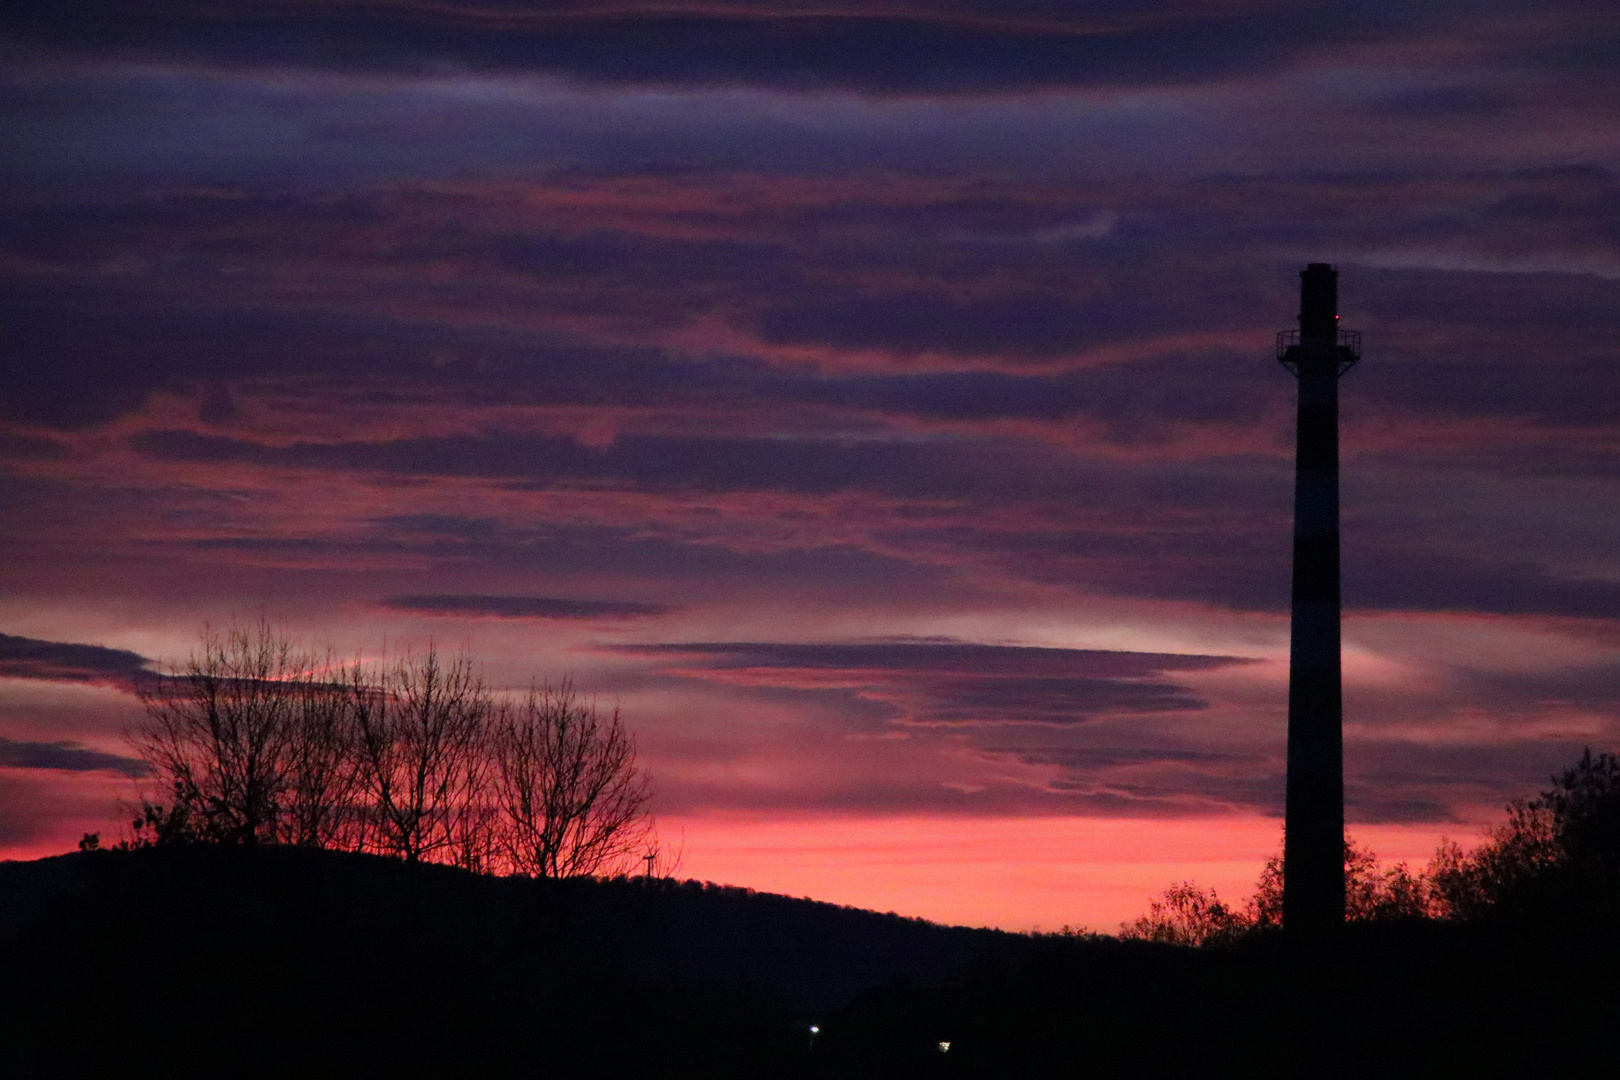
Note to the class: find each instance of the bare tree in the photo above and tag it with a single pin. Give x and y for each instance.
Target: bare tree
(572, 796)
(263, 741)
(471, 820)
(321, 767)
(218, 731)
(418, 729)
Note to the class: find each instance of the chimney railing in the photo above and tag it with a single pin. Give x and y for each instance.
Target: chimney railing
(1347, 339)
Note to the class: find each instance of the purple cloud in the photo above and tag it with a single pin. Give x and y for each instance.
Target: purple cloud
(910, 52)
(69, 757)
(946, 683)
(522, 607)
(62, 661)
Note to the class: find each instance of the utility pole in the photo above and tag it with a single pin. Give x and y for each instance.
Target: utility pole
(1313, 842)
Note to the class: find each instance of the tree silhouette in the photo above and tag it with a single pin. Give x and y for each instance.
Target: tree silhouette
(1371, 890)
(258, 740)
(322, 774)
(419, 730)
(1558, 853)
(220, 728)
(572, 797)
(1556, 857)
(1188, 915)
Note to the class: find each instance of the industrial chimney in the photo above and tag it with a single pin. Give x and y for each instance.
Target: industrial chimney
(1313, 843)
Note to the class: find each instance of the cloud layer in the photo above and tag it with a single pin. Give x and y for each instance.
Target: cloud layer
(67, 757)
(876, 399)
(906, 49)
(954, 683)
(31, 658)
(522, 607)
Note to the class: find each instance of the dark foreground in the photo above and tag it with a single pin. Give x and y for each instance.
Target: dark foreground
(212, 962)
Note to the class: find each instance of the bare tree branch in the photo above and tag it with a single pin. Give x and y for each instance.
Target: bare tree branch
(573, 798)
(418, 729)
(262, 741)
(220, 728)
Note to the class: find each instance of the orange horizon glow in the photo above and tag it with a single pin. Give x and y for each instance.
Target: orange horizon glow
(1018, 874)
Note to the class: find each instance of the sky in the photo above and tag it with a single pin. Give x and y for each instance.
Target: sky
(876, 401)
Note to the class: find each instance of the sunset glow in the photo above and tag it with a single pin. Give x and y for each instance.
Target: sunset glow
(878, 405)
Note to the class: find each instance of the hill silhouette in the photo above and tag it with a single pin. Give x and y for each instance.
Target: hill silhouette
(234, 961)
(186, 955)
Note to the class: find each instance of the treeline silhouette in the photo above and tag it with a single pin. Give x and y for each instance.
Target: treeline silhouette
(1556, 857)
(259, 740)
